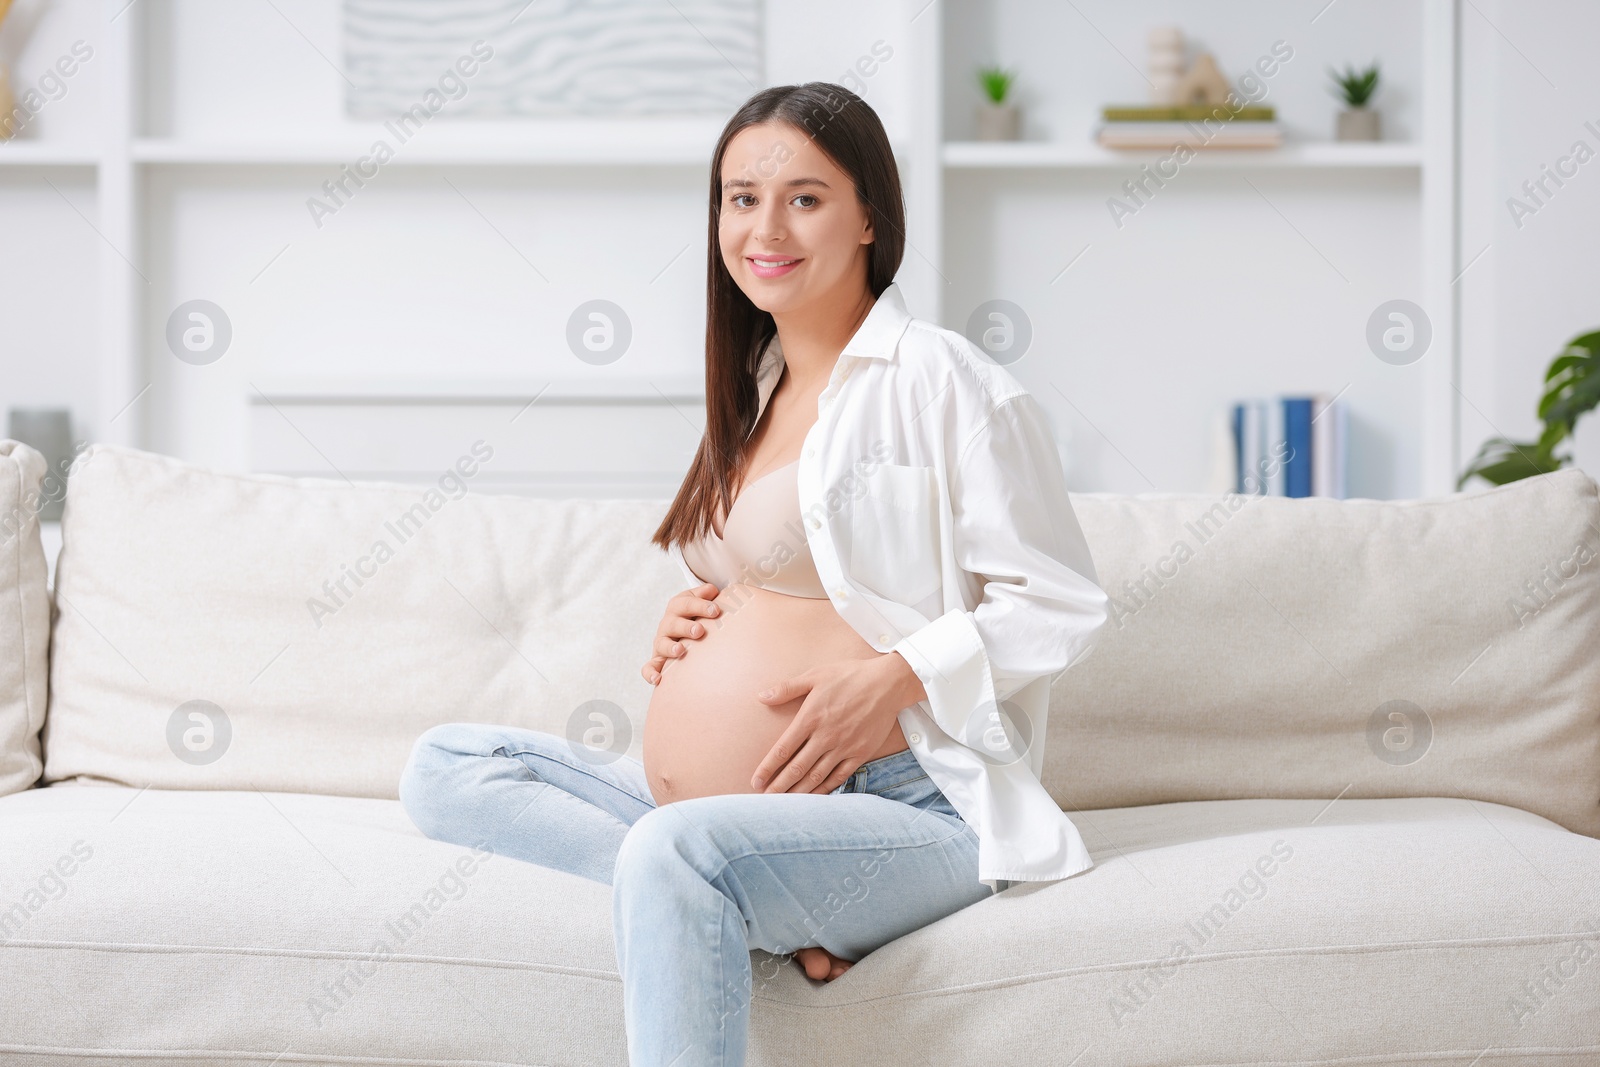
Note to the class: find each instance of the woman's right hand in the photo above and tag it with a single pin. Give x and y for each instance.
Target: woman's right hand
(679, 622)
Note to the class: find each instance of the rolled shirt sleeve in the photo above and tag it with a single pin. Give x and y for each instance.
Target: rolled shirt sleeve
(1042, 607)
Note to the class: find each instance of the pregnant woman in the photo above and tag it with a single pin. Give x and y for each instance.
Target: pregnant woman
(846, 733)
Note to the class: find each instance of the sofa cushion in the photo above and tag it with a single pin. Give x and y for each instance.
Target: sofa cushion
(227, 926)
(258, 631)
(1276, 647)
(239, 631)
(24, 616)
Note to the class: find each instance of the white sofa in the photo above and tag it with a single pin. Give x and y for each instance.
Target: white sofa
(1338, 763)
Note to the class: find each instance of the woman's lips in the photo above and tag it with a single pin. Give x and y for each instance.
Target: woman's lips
(783, 266)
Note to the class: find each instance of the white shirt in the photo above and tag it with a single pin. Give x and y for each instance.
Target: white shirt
(937, 514)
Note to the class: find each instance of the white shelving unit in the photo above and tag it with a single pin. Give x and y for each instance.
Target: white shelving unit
(1382, 156)
(123, 160)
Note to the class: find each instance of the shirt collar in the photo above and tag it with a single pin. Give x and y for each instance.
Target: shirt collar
(878, 337)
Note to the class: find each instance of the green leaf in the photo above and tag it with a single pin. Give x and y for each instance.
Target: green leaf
(1356, 86)
(1524, 462)
(1572, 390)
(996, 82)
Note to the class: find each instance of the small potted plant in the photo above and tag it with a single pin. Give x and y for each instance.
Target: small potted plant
(1357, 122)
(997, 118)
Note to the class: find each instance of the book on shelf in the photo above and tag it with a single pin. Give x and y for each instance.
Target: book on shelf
(1185, 113)
(1295, 447)
(1191, 125)
(1235, 134)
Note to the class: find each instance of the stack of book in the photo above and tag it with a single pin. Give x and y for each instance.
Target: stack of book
(1295, 447)
(1193, 125)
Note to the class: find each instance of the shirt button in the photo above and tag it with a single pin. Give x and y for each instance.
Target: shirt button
(811, 452)
(883, 638)
(914, 738)
(839, 593)
(813, 523)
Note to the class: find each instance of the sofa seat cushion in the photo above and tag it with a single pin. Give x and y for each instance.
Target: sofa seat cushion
(235, 926)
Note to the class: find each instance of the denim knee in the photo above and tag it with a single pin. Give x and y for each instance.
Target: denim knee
(661, 840)
(422, 779)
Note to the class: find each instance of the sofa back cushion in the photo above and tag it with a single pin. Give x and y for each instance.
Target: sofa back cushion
(256, 631)
(24, 615)
(225, 631)
(1275, 647)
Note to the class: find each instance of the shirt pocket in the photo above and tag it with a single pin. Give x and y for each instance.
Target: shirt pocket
(894, 535)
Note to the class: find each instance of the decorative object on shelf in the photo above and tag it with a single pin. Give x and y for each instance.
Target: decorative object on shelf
(1356, 122)
(1572, 389)
(1166, 63)
(998, 119)
(49, 430)
(8, 103)
(620, 58)
(1193, 108)
(1202, 83)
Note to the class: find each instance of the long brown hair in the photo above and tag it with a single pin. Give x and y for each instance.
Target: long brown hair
(849, 133)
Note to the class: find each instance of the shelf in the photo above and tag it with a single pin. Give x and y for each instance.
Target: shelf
(679, 142)
(993, 155)
(45, 154)
(629, 144)
(330, 389)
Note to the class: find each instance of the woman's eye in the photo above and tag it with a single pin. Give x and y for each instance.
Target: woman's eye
(746, 196)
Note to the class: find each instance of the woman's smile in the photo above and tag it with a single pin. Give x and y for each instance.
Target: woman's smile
(772, 266)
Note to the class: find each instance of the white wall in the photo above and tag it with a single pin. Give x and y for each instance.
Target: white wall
(48, 216)
(1231, 283)
(1531, 85)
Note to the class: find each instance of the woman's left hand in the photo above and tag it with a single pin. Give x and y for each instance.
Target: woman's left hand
(847, 709)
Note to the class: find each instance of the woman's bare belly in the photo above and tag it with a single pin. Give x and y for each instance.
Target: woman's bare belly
(705, 731)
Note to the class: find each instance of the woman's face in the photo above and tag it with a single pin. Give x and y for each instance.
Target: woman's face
(784, 200)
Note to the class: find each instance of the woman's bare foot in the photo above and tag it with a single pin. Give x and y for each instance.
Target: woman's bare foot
(820, 964)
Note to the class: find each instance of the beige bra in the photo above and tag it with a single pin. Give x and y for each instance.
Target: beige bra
(763, 543)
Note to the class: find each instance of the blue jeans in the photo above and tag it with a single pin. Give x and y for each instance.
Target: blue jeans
(700, 882)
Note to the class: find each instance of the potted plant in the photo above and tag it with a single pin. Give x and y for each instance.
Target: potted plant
(997, 119)
(1572, 388)
(1356, 122)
